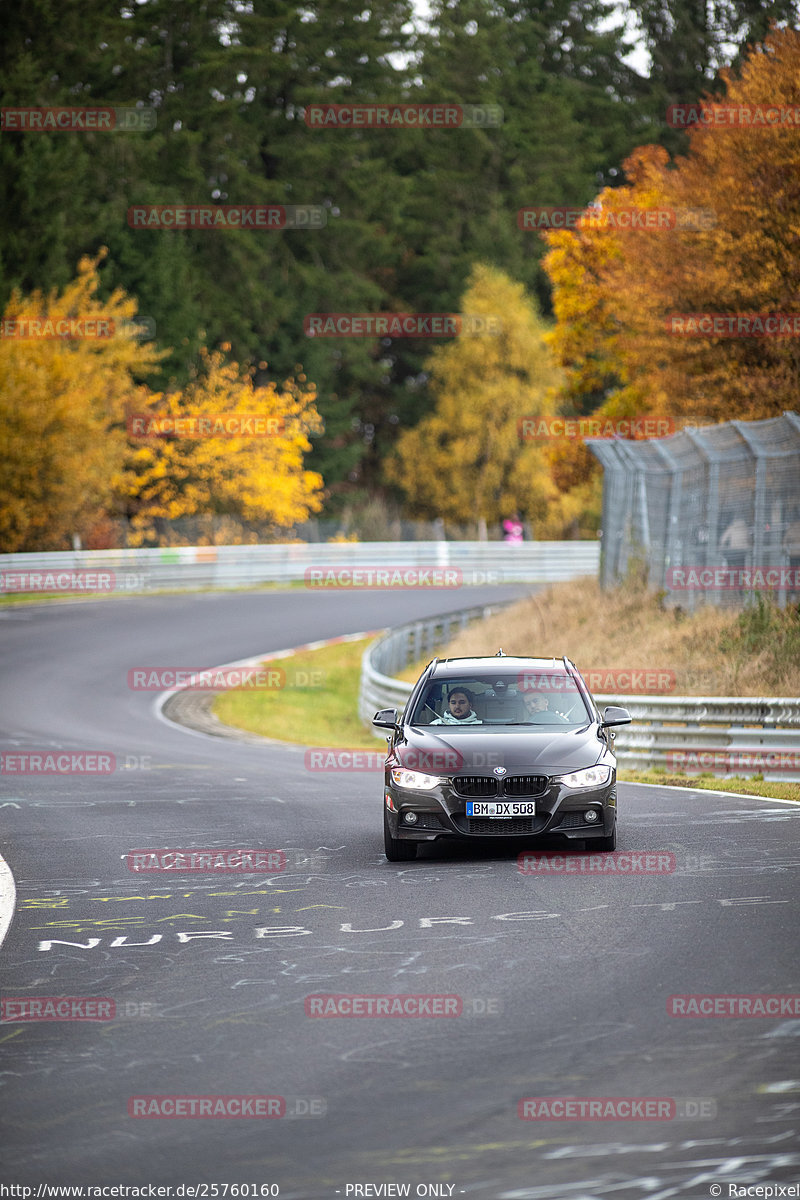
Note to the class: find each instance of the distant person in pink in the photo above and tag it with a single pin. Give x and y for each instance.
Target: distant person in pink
(513, 530)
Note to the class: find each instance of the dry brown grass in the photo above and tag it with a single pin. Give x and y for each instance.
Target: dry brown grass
(628, 629)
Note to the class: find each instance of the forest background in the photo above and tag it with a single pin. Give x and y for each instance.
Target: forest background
(420, 221)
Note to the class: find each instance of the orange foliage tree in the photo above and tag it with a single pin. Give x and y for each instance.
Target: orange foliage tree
(733, 250)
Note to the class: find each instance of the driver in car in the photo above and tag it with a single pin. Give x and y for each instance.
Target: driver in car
(459, 709)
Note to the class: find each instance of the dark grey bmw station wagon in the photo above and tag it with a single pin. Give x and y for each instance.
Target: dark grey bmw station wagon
(500, 746)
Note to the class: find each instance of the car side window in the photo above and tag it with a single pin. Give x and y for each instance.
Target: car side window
(428, 708)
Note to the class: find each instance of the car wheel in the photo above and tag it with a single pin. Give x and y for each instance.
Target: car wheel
(395, 849)
(604, 843)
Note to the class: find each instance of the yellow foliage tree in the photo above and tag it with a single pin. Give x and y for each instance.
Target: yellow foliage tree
(68, 366)
(251, 478)
(70, 377)
(465, 461)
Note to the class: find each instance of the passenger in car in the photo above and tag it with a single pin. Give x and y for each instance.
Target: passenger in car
(537, 708)
(459, 709)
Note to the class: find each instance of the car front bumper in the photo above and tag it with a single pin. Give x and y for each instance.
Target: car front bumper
(442, 812)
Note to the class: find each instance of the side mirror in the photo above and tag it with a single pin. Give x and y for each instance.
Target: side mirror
(386, 718)
(612, 715)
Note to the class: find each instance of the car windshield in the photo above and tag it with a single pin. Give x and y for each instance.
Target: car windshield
(530, 697)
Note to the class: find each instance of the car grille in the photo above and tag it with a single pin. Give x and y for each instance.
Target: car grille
(503, 828)
(475, 785)
(484, 786)
(524, 785)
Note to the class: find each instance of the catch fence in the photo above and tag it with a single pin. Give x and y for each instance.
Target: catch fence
(712, 513)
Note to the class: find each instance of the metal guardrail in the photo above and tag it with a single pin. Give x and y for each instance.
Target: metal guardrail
(723, 735)
(185, 567)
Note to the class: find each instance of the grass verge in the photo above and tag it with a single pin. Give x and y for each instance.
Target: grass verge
(322, 712)
(9, 598)
(770, 789)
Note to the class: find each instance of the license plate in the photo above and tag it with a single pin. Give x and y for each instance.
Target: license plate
(500, 810)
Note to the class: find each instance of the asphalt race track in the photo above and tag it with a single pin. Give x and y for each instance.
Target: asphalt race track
(563, 980)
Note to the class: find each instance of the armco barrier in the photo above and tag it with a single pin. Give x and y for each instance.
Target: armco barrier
(187, 567)
(755, 736)
(752, 735)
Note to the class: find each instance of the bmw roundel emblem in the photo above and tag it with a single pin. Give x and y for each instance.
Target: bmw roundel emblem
(499, 770)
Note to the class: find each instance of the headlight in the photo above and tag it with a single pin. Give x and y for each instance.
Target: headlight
(415, 779)
(590, 777)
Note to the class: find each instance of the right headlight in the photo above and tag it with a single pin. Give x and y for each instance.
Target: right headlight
(417, 780)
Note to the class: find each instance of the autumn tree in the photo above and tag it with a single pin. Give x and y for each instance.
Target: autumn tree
(465, 461)
(72, 371)
(190, 470)
(747, 175)
(68, 365)
(617, 288)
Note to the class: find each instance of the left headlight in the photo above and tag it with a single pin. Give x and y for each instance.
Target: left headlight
(415, 779)
(590, 777)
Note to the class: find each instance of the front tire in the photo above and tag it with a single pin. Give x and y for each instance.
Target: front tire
(604, 843)
(395, 849)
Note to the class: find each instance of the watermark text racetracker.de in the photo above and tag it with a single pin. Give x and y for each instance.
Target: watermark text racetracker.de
(437, 762)
(630, 681)
(619, 863)
(225, 1107)
(734, 1005)
(19, 1010)
(400, 325)
(57, 762)
(748, 761)
(212, 861)
(403, 116)
(556, 429)
(383, 577)
(398, 576)
(70, 582)
(324, 758)
(725, 578)
(57, 328)
(256, 217)
(733, 116)
(217, 679)
(393, 1005)
(158, 679)
(396, 1004)
(206, 425)
(77, 119)
(615, 1108)
(733, 325)
(54, 328)
(630, 217)
(25, 1009)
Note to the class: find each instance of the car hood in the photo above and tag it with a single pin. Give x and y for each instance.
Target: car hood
(522, 751)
